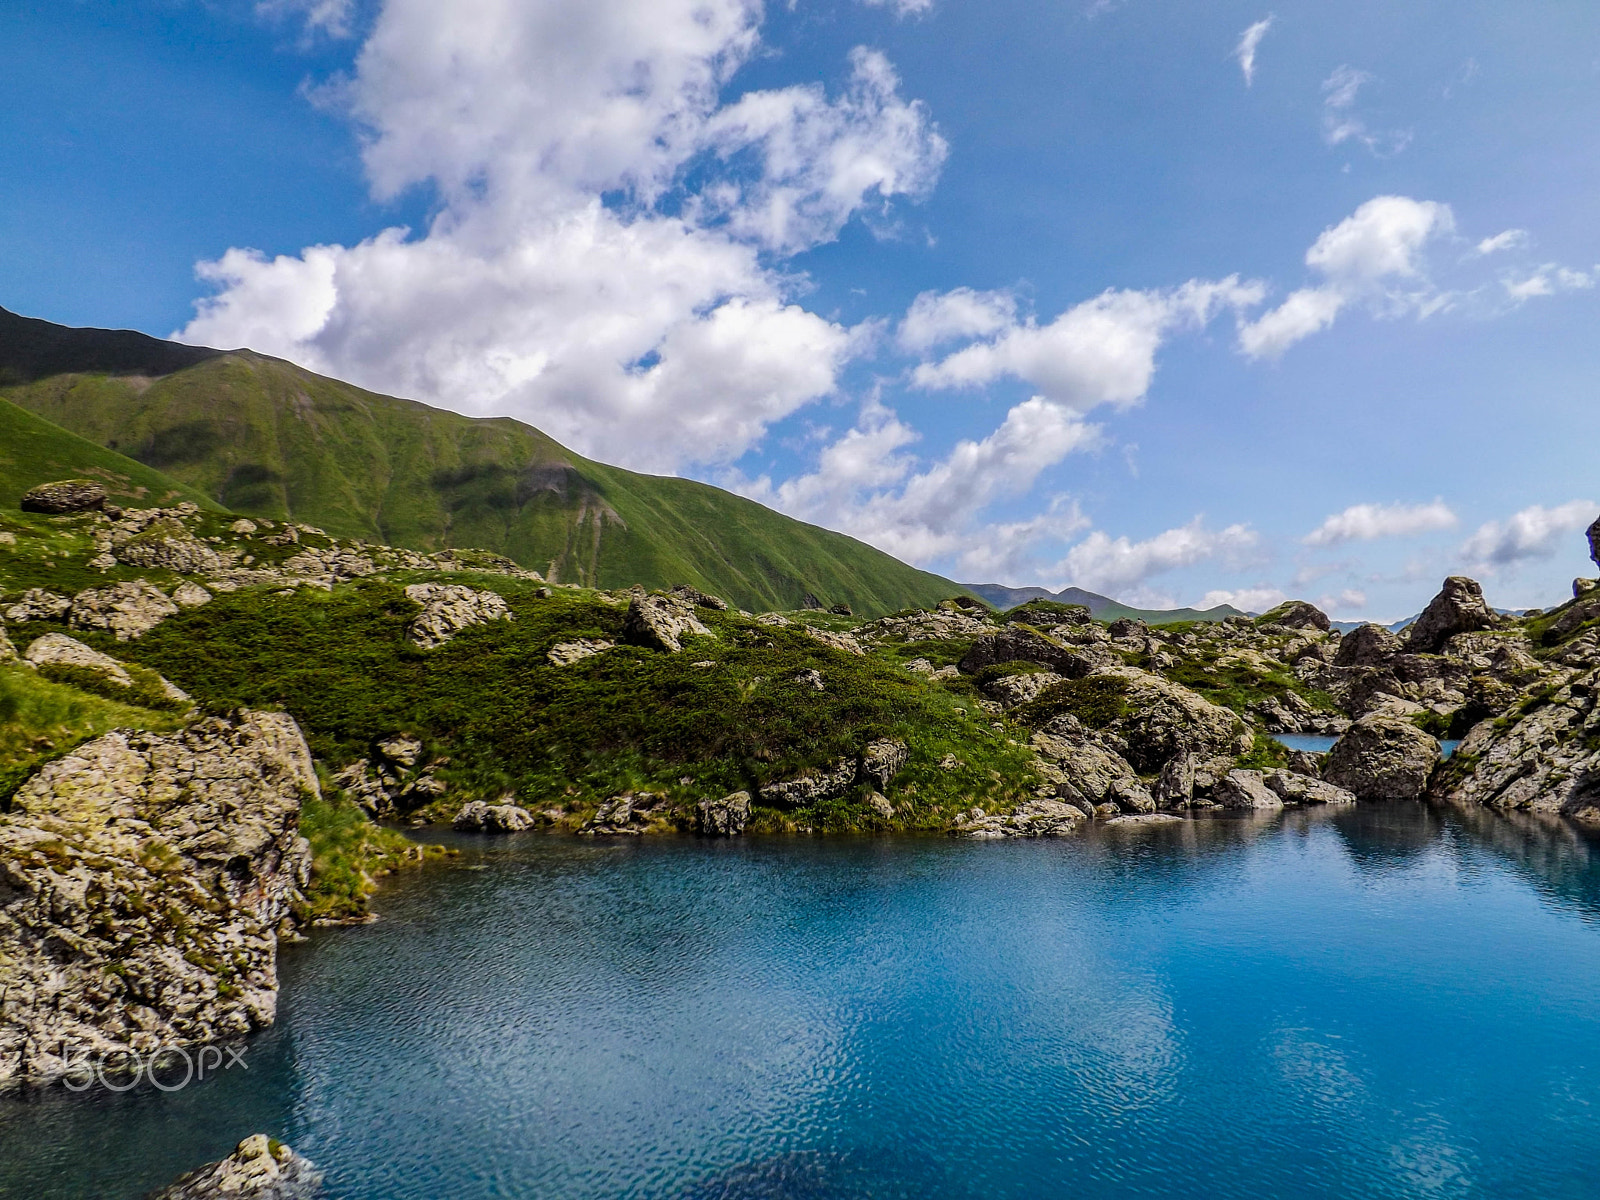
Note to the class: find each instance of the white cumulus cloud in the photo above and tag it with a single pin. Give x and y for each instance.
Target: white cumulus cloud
(1509, 239)
(1245, 51)
(1102, 351)
(1364, 522)
(960, 315)
(867, 484)
(608, 259)
(1105, 564)
(1373, 256)
(1547, 280)
(1535, 532)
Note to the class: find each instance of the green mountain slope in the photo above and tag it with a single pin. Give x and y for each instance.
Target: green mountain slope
(35, 451)
(264, 437)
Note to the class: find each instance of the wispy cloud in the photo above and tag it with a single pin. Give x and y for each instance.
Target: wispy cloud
(1342, 123)
(1245, 51)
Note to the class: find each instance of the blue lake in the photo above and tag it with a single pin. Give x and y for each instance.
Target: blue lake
(1379, 1002)
(1317, 743)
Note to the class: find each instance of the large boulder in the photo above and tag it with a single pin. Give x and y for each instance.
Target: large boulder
(1368, 646)
(1382, 758)
(65, 496)
(1013, 690)
(143, 880)
(661, 622)
(128, 610)
(1023, 643)
(1037, 818)
(696, 598)
(1296, 614)
(723, 817)
(1245, 789)
(1594, 541)
(1542, 761)
(259, 1169)
(1162, 720)
(1458, 608)
(1084, 772)
(813, 787)
(58, 650)
(449, 608)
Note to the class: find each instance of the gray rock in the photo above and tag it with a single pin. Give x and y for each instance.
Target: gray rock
(1014, 690)
(626, 815)
(1541, 762)
(166, 544)
(8, 652)
(479, 816)
(128, 610)
(259, 1169)
(1593, 534)
(838, 641)
(190, 595)
(1164, 719)
(36, 604)
(1303, 762)
(882, 761)
(1175, 786)
(57, 649)
(699, 599)
(1241, 788)
(1079, 766)
(661, 622)
(402, 750)
(1023, 643)
(1032, 819)
(811, 788)
(1296, 614)
(1296, 788)
(726, 817)
(448, 608)
(143, 878)
(564, 654)
(1458, 608)
(1369, 646)
(1382, 758)
(65, 496)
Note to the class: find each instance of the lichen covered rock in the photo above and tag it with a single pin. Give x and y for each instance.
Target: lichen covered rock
(143, 879)
(723, 817)
(661, 622)
(1382, 758)
(447, 609)
(65, 496)
(259, 1169)
(479, 816)
(128, 610)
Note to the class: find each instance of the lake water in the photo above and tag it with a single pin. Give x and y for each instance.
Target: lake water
(1379, 1002)
(1317, 743)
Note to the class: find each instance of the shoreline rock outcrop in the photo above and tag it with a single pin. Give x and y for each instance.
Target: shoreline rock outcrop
(258, 1169)
(143, 881)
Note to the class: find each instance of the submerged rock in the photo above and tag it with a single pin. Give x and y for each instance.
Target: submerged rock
(1383, 758)
(1295, 788)
(259, 1169)
(143, 878)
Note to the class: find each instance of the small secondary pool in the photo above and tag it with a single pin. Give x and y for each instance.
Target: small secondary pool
(1317, 743)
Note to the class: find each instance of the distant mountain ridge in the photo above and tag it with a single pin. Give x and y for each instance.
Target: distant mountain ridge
(1101, 607)
(263, 437)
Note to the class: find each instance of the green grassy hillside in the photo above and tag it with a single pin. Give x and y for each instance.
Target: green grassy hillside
(264, 437)
(1102, 608)
(35, 451)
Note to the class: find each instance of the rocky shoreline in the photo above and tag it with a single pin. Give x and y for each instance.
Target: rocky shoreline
(147, 874)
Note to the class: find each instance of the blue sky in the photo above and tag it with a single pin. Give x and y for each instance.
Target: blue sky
(1024, 292)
